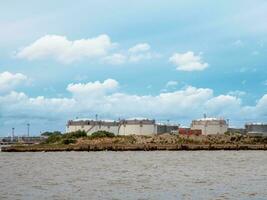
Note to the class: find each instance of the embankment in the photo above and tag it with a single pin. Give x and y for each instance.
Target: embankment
(133, 147)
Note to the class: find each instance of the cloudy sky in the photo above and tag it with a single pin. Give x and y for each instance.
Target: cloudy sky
(167, 60)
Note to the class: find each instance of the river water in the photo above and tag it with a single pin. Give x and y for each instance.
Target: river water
(134, 175)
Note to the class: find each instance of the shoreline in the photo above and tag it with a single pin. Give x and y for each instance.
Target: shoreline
(135, 147)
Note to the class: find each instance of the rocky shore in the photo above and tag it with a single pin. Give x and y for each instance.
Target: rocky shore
(150, 143)
(132, 147)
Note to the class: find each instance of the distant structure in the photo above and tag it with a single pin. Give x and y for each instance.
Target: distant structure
(28, 129)
(90, 126)
(241, 131)
(256, 129)
(134, 126)
(167, 128)
(13, 133)
(210, 126)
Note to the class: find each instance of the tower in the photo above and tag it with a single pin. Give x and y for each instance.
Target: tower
(28, 129)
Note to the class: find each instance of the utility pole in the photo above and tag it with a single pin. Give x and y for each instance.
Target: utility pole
(96, 116)
(13, 134)
(28, 129)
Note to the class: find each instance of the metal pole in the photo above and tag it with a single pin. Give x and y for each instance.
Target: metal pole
(28, 129)
(13, 134)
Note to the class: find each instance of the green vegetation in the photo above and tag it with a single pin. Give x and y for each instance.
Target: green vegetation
(53, 139)
(67, 138)
(101, 134)
(47, 133)
(71, 138)
(75, 135)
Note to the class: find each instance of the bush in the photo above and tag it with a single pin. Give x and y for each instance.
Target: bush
(100, 134)
(47, 133)
(75, 135)
(68, 141)
(67, 138)
(53, 139)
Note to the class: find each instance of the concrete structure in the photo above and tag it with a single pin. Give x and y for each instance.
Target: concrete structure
(256, 129)
(210, 126)
(91, 126)
(121, 127)
(137, 127)
(167, 128)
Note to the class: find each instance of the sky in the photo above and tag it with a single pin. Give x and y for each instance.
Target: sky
(164, 60)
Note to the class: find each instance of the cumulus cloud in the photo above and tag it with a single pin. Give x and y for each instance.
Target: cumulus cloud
(67, 51)
(23, 105)
(224, 105)
(64, 50)
(93, 88)
(104, 98)
(137, 53)
(188, 61)
(142, 47)
(9, 81)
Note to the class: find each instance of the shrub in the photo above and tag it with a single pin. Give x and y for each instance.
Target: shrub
(68, 141)
(47, 133)
(75, 135)
(67, 138)
(100, 134)
(53, 139)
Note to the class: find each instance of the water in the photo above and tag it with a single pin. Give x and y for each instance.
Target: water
(134, 175)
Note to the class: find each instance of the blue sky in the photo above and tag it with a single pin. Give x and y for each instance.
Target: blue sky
(160, 59)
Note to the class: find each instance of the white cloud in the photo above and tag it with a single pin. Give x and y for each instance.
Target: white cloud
(224, 105)
(188, 61)
(104, 98)
(142, 47)
(64, 50)
(20, 104)
(115, 59)
(171, 83)
(9, 81)
(93, 88)
(137, 53)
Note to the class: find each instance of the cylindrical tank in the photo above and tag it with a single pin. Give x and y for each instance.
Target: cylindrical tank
(256, 128)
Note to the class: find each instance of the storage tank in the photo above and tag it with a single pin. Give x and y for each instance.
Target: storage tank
(210, 126)
(137, 127)
(91, 126)
(256, 129)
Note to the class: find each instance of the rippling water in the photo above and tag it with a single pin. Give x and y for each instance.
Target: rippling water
(134, 175)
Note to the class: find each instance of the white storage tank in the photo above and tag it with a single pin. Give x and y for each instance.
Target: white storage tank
(256, 129)
(137, 127)
(210, 126)
(91, 126)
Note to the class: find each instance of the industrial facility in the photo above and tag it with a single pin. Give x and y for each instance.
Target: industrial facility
(142, 126)
(121, 127)
(210, 126)
(256, 129)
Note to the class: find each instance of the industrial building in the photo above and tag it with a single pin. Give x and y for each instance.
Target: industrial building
(167, 128)
(210, 126)
(256, 129)
(90, 126)
(121, 127)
